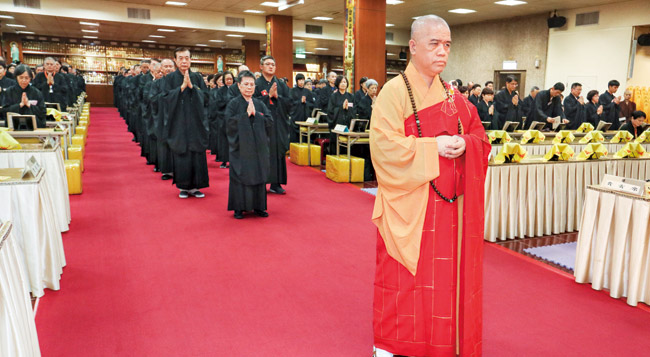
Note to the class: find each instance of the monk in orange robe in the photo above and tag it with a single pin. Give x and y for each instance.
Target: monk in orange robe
(429, 207)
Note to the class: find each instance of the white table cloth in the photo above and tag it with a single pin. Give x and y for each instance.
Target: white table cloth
(17, 327)
(55, 176)
(538, 199)
(29, 206)
(613, 249)
(542, 149)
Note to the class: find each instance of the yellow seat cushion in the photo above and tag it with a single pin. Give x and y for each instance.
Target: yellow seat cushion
(79, 139)
(73, 173)
(82, 130)
(298, 154)
(76, 152)
(338, 168)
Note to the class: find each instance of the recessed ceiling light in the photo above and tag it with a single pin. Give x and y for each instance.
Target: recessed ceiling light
(322, 18)
(217, 41)
(89, 23)
(91, 37)
(175, 3)
(6, 17)
(321, 49)
(16, 25)
(202, 45)
(166, 30)
(510, 2)
(298, 40)
(25, 32)
(462, 11)
(90, 31)
(394, 2)
(270, 4)
(156, 36)
(149, 41)
(254, 11)
(390, 54)
(389, 25)
(234, 35)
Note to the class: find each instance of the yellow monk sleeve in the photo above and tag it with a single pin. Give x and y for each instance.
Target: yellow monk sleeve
(404, 165)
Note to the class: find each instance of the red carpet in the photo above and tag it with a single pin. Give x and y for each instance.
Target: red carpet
(152, 275)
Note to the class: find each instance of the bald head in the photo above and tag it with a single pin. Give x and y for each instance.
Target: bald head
(242, 68)
(424, 23)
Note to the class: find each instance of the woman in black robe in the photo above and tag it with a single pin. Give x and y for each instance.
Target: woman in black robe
(222, 99)
(340, 109)
(593, 111)
(23, 98)
(484, 105)
(212, 114)
(248, 125)
(303, 102)
(365, 102)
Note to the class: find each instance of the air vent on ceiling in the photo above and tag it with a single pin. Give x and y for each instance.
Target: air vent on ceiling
(235, 22)
(34, 4)
(587, 18)
(389, 36)
(134, 13)
(314, 29)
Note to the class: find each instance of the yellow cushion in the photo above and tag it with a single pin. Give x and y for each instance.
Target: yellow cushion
(344, 139)
(7, 142)
(28, 140)
(82, 130)
(298, 154)
(338, 168)
(79, 139)
(76, 152)
(73, 173)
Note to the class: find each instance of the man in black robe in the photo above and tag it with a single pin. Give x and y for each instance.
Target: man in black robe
(5, 82)
(248, 126)
(186, 126)
(141, 126)
(116, 88)
(548, 107)
(303, 103)
(52, 84)
(325, 92)
(148, 94)
(164, 155)
(506, 105)
(574, 107)
(275, 95)
(475, 94)
(610, 103)
(132, 103)
(528, 105)
(363, 89)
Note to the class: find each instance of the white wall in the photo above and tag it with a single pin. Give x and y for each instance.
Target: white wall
(595, 54)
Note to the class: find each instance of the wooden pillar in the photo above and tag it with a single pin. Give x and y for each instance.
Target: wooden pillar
(279, 44)
(370, 41)
(252, 51)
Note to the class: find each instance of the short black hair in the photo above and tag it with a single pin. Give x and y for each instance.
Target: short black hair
(3, 64)
(182, 49)
(245, 74)
(462, 89)
(264, 58)
(476, 86)
(614, 83)
(534, 88)
(323, 81)
(338, 81)
(591, 94)
(488, 83)
(363, 80)
(486, 91)
(299, 76)
(228, 73)
(211, 76)
(576, 84)
(510, 79)
(148, 61)
(20, 69)
(638, 114)
(559, 86)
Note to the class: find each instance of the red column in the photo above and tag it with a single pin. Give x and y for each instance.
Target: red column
(370, 41)
(279, 34)
(252, 50)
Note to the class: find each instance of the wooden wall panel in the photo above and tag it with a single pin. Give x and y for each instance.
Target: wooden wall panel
(282, 46)
(370, 41)
(100, 95)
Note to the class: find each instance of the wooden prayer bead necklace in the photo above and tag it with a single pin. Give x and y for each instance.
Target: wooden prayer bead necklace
(417, 122)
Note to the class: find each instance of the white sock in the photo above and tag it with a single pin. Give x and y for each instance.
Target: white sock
(382, 353)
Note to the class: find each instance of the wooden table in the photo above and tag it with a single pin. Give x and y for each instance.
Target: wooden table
(612, 248)
(18, 336)
(59, 136)
(311, 128)
(351, 138)
(28, 204)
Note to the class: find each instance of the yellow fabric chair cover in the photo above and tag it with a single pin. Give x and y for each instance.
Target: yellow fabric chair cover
(338, 168)
(631, 150)
(511, 153)
(7, 142)
(592, 151)
(593, 137)
(532, 136)
(53, 112)
(499, 137)
(298, 154)
(644, 137)
(622, 136)
(564, 137)
(585, 128)
(559, 152)
(73, 173)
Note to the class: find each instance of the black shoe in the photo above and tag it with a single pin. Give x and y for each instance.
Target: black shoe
(197, 194)
(155, 169)
(150, 163)
(166, 177)
(183, 194)
(239, 215)
(261, 213)
(277, 190)
(224, 165)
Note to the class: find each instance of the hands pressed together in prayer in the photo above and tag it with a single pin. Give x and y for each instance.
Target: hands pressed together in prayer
(515, 100)
(50, 78)
(24, 102)
(599, 111)
(450, 147)
(273, 92)
(251, 108)
(581, 100)
(187, 83)
(304, 99)
(345, 104)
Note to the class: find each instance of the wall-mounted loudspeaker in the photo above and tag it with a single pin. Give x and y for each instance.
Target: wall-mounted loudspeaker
(556, 21)
(643, 40)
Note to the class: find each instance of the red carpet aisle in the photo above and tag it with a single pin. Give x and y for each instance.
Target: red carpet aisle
(149, 274)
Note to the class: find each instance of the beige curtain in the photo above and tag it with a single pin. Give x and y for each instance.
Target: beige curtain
(17, 328)
(614, 245)
(537, 199)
